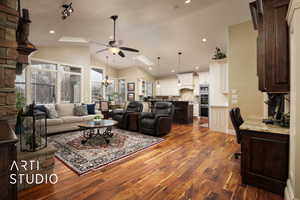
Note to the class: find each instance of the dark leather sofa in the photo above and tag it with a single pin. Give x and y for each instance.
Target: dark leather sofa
(121, 115)
(159, 121)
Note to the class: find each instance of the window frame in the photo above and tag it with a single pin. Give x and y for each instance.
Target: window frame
(58, 71)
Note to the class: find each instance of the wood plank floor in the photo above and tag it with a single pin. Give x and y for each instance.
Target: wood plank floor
(193, 163)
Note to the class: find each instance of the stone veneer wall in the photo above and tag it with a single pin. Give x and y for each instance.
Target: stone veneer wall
(8, 56)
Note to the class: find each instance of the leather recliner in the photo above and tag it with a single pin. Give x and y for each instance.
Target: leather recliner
(159, 121)
(121, 115)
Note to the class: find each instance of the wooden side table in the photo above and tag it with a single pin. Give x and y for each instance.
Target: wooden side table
(133, 121)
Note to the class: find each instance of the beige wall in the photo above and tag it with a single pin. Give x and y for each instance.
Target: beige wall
(76, 55)
(242, 70)
(133, 73)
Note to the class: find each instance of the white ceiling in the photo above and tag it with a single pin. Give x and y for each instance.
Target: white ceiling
(156, 28)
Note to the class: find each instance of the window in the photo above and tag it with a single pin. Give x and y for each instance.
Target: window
(110, 90)
(70, 84)
(122, 91)
(20, 84)
(43, 82)
(96, 83)
(43, 87)
(48, 80)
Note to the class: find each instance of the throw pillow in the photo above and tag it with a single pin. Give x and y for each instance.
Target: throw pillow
(80, 110)
(42, 108)
(52, 111)
(91, 108)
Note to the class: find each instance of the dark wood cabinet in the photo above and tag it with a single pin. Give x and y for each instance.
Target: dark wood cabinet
(183, 112)
(8, 154)
(272, 45)
(264, 162)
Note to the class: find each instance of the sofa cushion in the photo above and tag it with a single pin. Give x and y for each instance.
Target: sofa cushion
(80, 110)
(71, 119)
(54, 122)
(52, 113)
(65, 109)
(42, 108)
(91, 109)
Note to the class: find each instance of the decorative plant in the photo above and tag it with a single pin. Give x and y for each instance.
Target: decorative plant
(219, 54)
(20, 101)
(97, 117)
(116, 95)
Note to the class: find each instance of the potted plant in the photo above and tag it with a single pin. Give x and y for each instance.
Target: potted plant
(219, 54)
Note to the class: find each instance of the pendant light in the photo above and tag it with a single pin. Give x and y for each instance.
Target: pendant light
(106, 82)
(179, 61)
(158, 64)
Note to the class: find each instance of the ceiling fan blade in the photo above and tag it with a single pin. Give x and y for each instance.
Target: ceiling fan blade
(101, 50)
(95, 42)
(129, 49)
(121, 54)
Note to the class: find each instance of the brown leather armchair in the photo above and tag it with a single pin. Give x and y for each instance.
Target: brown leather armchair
(121, 115)
(158, 122)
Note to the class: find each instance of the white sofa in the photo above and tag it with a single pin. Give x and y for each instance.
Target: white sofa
(67, 121)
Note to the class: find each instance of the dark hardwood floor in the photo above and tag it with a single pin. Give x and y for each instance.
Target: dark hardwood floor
(192, 163)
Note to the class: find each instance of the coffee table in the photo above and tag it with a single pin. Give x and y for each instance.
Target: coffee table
(101, 128)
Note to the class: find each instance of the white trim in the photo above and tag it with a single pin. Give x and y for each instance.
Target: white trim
(289, 192)
(56, 62)
(294, 5)
(231, 131)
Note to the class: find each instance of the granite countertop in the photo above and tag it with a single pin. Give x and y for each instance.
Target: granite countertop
(258, 125)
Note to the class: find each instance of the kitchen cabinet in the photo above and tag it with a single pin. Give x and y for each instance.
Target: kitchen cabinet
(168, 87)
(265, 155)
(272, 45)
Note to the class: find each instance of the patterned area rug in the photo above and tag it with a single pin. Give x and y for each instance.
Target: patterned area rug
(96, 153)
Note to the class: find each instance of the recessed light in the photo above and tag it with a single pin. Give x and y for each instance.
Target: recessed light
(150, 68)
(173, 71)
(188, 1)
(52, 31)
(204, 40)
(197, 67)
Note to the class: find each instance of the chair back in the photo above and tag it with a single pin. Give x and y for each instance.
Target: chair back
(165, 108)
(104, 106)
(134, 106)
(237, 121)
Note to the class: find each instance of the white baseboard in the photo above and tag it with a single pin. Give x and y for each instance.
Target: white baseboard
(231, 131)
(289, 191)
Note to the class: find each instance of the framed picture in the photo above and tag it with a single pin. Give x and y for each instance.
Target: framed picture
(131, 87)
(130, 96)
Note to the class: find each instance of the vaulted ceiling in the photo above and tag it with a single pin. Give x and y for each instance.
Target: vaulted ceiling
(156, 28)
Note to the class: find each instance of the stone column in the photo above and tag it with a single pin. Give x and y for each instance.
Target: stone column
(8, 55)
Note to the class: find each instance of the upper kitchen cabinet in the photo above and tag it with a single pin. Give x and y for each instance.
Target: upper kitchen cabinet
(269, 18)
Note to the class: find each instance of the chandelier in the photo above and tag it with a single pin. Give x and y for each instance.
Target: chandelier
(106, 82)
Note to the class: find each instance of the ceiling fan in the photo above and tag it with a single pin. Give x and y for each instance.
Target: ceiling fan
(113, 45)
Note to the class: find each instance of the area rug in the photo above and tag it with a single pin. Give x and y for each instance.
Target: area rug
(83, 158)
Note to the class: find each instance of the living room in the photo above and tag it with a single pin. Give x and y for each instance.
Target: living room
(180, 99)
